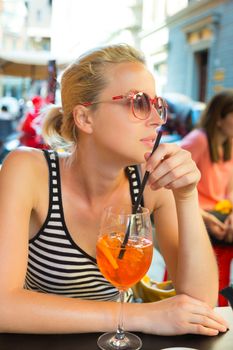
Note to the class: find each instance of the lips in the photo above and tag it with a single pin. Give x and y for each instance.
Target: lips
(149, 138)
(148, 141)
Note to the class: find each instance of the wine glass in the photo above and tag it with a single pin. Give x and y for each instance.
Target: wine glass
(124, 253)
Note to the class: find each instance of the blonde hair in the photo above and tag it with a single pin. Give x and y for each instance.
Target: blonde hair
(83, 81)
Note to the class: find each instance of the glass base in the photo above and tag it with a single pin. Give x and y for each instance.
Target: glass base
(108, 341)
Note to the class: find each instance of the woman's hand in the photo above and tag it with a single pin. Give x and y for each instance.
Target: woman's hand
(229, 229)
(217, 228)
(182, 315)
(172, 167)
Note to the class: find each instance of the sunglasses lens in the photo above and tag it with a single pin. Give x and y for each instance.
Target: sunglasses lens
(141, 105)
(161, 108)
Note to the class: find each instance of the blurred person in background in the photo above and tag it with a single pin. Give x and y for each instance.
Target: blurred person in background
(5, 114)
(50, 281)
(3, 151)
(30, 126)
(6, 124)
(183, 115)
(212, 150)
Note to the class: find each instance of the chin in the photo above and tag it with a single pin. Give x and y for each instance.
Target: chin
(135, 161)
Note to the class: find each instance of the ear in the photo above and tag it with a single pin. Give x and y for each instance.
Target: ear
(83, 119)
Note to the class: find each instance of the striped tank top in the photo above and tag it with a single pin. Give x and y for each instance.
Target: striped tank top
(56, 264)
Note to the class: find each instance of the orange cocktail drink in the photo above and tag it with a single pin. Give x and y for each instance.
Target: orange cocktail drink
(125, 272)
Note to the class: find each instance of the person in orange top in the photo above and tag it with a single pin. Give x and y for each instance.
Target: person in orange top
(211, 149)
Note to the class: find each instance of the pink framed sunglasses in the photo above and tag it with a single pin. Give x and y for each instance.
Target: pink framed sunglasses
(141, 105)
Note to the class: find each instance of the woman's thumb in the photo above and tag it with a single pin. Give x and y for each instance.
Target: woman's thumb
(147, 155)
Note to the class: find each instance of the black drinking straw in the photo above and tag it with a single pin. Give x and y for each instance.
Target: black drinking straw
(139, 198)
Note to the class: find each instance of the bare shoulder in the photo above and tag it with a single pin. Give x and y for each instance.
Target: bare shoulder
(23, 157)
(23, 163)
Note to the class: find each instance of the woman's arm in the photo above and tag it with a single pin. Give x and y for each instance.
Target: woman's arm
(216, 227)
(22, 310)
(197, 273)
(229, 220)
(229, 191)
(194, 270)
(33, 312)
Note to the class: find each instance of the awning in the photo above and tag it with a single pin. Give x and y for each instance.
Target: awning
(29, 64)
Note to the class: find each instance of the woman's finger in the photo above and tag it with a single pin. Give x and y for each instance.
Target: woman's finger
(164, 151)
(209, 320)
(202, 330)
(219, 223)
(175, 179)
(176, 169)
(172, 167)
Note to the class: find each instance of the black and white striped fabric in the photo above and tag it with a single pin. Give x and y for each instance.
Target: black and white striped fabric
(55, 263)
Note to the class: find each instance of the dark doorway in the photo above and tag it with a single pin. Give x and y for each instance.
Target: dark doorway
(201, 59)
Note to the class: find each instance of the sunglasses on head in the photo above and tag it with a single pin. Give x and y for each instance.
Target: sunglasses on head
(141, 104)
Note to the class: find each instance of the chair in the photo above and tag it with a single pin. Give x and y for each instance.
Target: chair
(224, 255)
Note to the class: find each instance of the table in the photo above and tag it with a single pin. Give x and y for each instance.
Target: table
(88, 341)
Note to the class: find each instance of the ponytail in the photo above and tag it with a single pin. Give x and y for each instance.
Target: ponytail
(53, 130)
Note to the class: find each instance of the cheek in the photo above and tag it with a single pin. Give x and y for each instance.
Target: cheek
(117, 124)
(227, 127)
(109, 131)
(121, 138)
(115, 136)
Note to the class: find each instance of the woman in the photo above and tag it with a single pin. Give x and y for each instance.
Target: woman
(211, 149)
(109, 118)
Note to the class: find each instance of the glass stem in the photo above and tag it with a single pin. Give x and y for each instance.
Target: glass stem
(120, 334)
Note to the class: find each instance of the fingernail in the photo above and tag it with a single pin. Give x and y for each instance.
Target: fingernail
(149, 168)
(147, 156)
